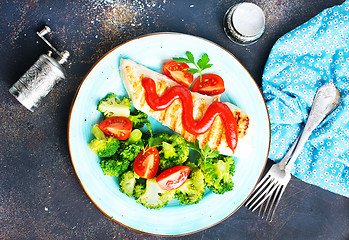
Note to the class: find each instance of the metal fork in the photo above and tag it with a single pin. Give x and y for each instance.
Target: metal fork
(269, 190)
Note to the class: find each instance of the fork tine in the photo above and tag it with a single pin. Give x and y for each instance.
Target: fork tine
(259, 188)
(266, 206)
(258, 194)
(264, 195)
(272, 204)
(260, 210)
(283, 187)
(267, 194)
(263, 206)
(263, 180)
(271, 188)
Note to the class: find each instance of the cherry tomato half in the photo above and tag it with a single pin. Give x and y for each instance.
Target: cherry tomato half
(173, 178)
(146, 164)
(117, 126)
(175, 71)
(210, 84)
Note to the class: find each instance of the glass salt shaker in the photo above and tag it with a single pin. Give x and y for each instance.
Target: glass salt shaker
(244, 23)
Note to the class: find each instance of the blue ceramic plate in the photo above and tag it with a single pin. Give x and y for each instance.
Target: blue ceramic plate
(174, 219)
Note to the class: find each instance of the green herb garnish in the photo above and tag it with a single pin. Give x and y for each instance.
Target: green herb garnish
(200, 65)
(205, 152)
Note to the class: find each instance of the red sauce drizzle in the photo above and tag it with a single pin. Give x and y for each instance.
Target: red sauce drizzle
(189, 123)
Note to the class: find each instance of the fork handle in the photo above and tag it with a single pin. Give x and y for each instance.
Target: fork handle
(314, 119)
(325, 101)
(284, 160)
(301, 142)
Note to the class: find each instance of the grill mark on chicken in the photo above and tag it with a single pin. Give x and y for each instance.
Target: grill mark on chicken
(243, 124)
(215, 133)
(220, 131)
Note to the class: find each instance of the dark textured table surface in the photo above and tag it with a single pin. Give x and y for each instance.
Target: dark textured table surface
(40, 195)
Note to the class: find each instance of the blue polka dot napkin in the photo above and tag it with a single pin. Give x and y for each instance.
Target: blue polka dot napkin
(301, 61)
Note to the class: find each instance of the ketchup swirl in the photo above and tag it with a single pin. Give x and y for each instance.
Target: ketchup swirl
(189, 123)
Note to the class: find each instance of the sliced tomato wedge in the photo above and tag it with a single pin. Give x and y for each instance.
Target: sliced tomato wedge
(177, 72)
(210, 84)
(117, 126)
(146, 164)
(173, 178)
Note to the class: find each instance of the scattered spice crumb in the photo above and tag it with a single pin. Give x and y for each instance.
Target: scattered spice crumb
(114, 20)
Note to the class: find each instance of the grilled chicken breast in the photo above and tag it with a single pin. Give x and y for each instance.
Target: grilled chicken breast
(132, 74)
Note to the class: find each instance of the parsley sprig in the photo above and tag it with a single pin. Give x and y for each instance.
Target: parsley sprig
(205, 152)
(200, 65)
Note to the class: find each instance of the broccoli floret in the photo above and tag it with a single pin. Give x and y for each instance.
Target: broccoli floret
(112, 106)
(131, 184)
(138, 119)
(113, 166)
(130, 152)
(193, 189)
(127, 182)
(139, 190)
(218, 172)
(153, 197)
(173, 150)
(106, 147)
(157, 139)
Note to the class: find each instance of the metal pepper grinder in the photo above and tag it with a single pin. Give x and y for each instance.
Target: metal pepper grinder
(41, 78)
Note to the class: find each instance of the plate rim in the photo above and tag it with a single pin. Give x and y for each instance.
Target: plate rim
(78, 91)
